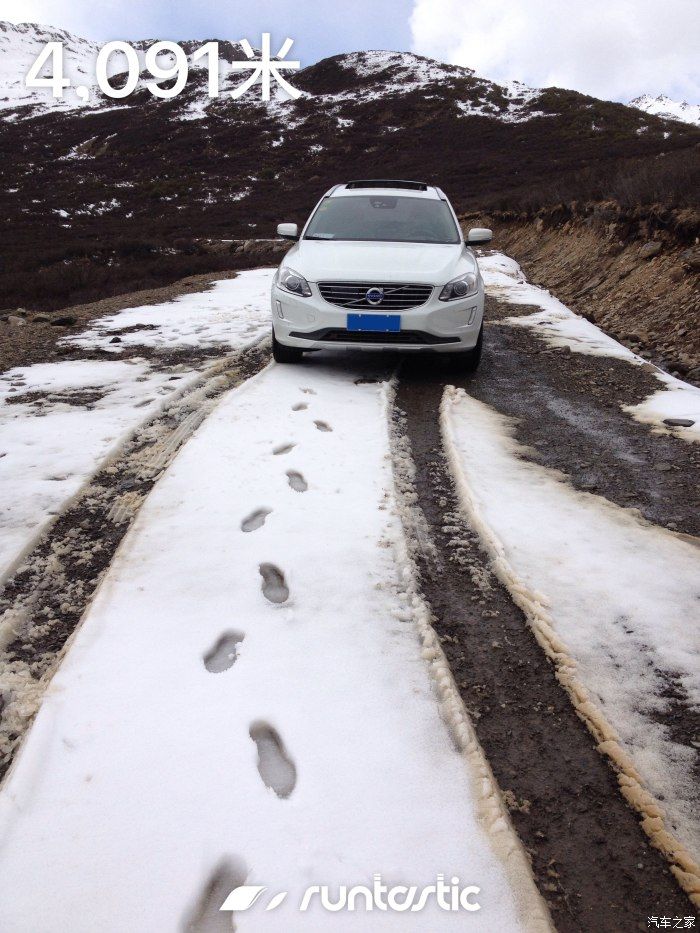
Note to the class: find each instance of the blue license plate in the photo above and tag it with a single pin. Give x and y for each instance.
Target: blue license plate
(378, 323)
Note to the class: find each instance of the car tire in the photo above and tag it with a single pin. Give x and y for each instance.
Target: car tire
(283, 354)
(474, 356)
(468, 360)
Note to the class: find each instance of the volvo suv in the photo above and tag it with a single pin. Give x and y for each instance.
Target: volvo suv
(380, 265)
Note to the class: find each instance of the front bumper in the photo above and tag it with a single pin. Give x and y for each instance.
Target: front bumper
(438, 326)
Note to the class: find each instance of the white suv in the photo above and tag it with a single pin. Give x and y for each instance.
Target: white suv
(381, 265)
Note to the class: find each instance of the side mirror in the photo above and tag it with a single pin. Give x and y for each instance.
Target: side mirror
(288, 231)
(479, 235)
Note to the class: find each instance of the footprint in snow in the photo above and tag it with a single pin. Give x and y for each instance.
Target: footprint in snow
(223, 653)
(255, 520)
(276, 768)
(274, 586)
(283, 449)
(297, 481)
(205, 916)
(300, 406)
(322, 426)
(308, 391)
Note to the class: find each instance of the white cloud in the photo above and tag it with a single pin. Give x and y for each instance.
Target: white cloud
(614, 49)
(318, 27)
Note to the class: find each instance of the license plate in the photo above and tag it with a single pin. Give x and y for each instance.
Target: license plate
(378, 323)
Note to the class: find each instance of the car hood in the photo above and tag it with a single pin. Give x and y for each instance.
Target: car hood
(422, 263)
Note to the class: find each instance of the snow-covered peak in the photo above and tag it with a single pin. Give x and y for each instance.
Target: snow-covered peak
(382, 73)
(663, 106)
(371, 75)
(404, 65)
(20, 45)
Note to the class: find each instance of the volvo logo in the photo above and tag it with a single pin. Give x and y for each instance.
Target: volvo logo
(374, 296)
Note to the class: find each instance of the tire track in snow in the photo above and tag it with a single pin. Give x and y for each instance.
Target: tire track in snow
(589, 854)
(659, 825)
(43, 602)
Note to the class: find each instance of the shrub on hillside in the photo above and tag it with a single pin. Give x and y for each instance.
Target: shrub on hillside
(671, 180)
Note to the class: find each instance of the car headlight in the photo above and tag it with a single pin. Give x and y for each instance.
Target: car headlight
(292, 282)
(461, 287)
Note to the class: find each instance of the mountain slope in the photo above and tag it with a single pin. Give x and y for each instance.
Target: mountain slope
(89, 193)
(20, 45)
(663, 106)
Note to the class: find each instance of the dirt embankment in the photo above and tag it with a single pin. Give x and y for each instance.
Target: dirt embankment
(28, 336)
(635, 274)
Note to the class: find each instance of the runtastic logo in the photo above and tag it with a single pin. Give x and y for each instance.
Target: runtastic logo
(379, 896)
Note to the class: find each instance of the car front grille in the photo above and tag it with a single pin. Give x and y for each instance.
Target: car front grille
(397, 296)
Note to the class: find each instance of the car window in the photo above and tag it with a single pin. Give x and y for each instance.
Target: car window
(384, 218)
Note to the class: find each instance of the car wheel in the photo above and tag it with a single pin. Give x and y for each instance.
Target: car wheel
(474, 356)
(283, 354)
(468, 360)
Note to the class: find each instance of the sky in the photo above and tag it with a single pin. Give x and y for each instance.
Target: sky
(615, 49)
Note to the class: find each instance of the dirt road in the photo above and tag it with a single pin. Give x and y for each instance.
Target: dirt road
(564, 418)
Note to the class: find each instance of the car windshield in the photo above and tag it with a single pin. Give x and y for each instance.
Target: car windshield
(384, 218)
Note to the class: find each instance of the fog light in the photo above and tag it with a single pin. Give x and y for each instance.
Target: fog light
(279, 309)
(472, 315)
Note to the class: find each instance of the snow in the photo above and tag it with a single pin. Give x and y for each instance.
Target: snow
(413, 73)
(663, 106)
(232, 312)
(618, 593)
(196, 108)
(21, 44)
(560, 327)
(142, 756)
(49, 450)
(678, 400)
(380, 73)
(421, 71)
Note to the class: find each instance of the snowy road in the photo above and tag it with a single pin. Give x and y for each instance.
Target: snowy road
(248, 689)
(60, 421)
(255, 691)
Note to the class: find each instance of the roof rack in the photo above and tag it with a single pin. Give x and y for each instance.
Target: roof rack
(388, 183)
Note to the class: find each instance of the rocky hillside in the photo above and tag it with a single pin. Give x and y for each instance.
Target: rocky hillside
(635, 273)
(118, 195)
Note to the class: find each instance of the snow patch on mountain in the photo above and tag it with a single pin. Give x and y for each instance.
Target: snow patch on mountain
(378, 74)
(20, 46)
(404, 73)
